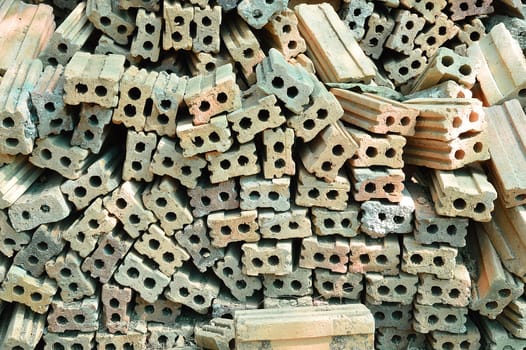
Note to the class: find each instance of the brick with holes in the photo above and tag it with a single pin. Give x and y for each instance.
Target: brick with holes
(15, 179)
(226, 305)
(194, 238)
(338, 285)
(277, 155)
(135, 338)
(455, 291)
(283, 302)
(429, 10)
(462, 9)
(379, 28)
(93, 78)
(446, 89)
(111, 249)
(207, 198)
(377, 183)
(257, 13)
(115, 302)
(164, 336)
(108, 17)
(257, 192)
(354, 15)
(374, 150)
(142, 275)
(161, 311)
(294, 223)
(218, 333)
(398, 289)
(408, 25)
(178, 18)
(313, 192)
(233, 226)
(391, 338)
(374, 255)
(100, 178)
(85, 231)
(125, 203)
(149, 5)
(93, 127)
(268, 257)
(469, 340)
(82, 315)
(394, 315)
(326, 252)
(11, 241)
(146, 42)
(437, 258)
(212, 136)
(341, 222)
(195, 290)
(439, 317)
(68, 340)
(326, 154)
(74, 284)
(19, 286)
(281, 32)
(203, 62)
(442, 30)
(402, 71)
(108, 45)
(513, 317)
(297, 283)
(208, 21)
(238, 161)
(167, 154)
(53, 116)
(493, 287)
(21, 328)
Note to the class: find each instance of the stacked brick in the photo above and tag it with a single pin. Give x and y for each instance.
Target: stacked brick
(205, 160)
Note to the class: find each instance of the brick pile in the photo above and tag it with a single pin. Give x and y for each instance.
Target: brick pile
(262, 174)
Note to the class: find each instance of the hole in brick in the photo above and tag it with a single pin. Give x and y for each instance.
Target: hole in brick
(65, 272)
(228, 272)
(277, 283)
(432, 319)
(480, 208)
(101, 91)
(491, 305)
(382, 216)
(293, 225)
(371, 152)
(114, 303)
(313, 193)
(186, 170)
(327, 285)
(337, 150)
(79, 318)
(273, 260)
(248, 53)
(389, 121)
(277, 83)
(438, 261)
(319, 257)
(309, 124)
(204, 106)
(42, 246)
(147, 45)
(194, 239)
(149, 283)
(242, 160)
(405, 39)
(121, 29)
(81, 88)
(45, 154)
(416, 64)
(50, 107)
(451, 319)
(365, 259)
(130, 110)
(504, 293)
(257, 262)
(222, 97)
(465, 69)
(328, 223)
(279, 147)
(168, 257)
(478, 147)
(292, 92)
(274, 196)
(296, 285)
(347, 287)
(397, 315)
(432, 229)
(166, 311)
(170, 216)
(210, 66)
(454, 293)
(405, 121)
(326, 166)
(334, 259)
(226, 230)
(390, 153)
(18, 290)
(263, 115)
(8, 122)
(457, 122)
(140, 147)
(383, 290)
(416, 259)
(370, 187)
(474, 36)
(448, 346)
(447, 61)
(204, 200)
(396, 339)
(137, 166)
(88, 135)
(80, 237)
(62, 320)
(65, 161)
(134, 219)
(95, 181)
(403, 70)
(279, 163)
(150, 29)
(245, 123)
(11, 142)
(121, 203)
(32, 259)
(292, 45)
(214, 137)
(133, 273)
(224, 196)
(389, 188)
(198, 141)
(451, 230)
(134, 93)
(208, 40)
(179, 20)
(436, 290)
(52, 61)
(431, 41)
(149, 309)
(381, 259)
(162, 119)
(401, 289)
(275, 228)
(99, 264)
(167, 162)
(154, 244)
(332, 194)
(243, 228)
(56, 346)
(206, 21)
(459, 204)
(115, 317)
(379, 316)
(441, 30)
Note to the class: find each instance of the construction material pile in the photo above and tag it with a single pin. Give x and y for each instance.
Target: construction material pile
(170, 169)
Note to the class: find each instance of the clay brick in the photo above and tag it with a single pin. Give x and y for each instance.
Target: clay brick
(340, 60)
(445, 65)
(472, 32)
(257, 192)
(18, 129)
(392, 315)
(212, 93)
(162, 310)
(354, 14)
(281, 32)
(229, 270)
(282, 303)
(107, 45)
(193, 289)
(56, 153)
(503, 124)
(53, 116)
(447, 155)
(379, 29)
(268, 257)
(513, 317)
(258, 113)
(380, 218)
(225, 305)
(439, 318)
(303, 61)
(219, 333)
(139, 151)
(374, 255)
(397, 289)
(377, 183)
(149, 5)
(233, 226)
(83, 234)
(146, 42)
(79, 315)
(115, 313)
(93, 128)
(342, 222)
(327, 252)
(446, 119)
(134, 339)
(204, 62)
(11, 241)
(72, 281)
(111, 249)
(177, 19)
(313, 192)
(93, 78)
(42, 203)
(336, 285)
(15, 179)
(143, 276)
(167, 95)
(294, 223)
(446, 89)
(492, 287)
(207, 198)
(18, 286)
(402, 71)
(167, 201)
(348, 325)
(296, 283)
(501, 76)
(208, 22)
(442, 30)
(69, 37)
(467, 340)
(495, 337)
(168, 154)
(408, 26)
(377, 149)
(165, 336)
(195, 240)
(213, 136)
(108, 17)
(462, 9)
(69, 340)
(437, 259)
(464, 192)
(277, 158)
(429, 10)
(126, 205)
(456, 292)
(21, 328)
(390, 338)
(222, 166)
(257, 13)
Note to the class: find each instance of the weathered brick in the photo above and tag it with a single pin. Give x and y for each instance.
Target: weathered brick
(455, 291)
(439, 317)
(398, 289)
(313, 192)
(146, 42)
(15, 179)
(337, 285)
(467, 340)
(162, 310)
(408, 26)
(281, 32)
(115, 307)
(257, 13)
(219, 333)
(207, 198)
(373, 150)
(374, 255)
(341, 222)
(277, 155)
(257, 192)
(208, 22)
(377, 183)
(177, 18)
(327, 252)
(108, 17)
(294, 223)
(438, 259)
(379, 29)
(396, 315)
(239, 161)
(209, 137)
(267, 257)
(93, 127)
(82, 315)
(297, 283)
(22, 328)
(233, 226)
